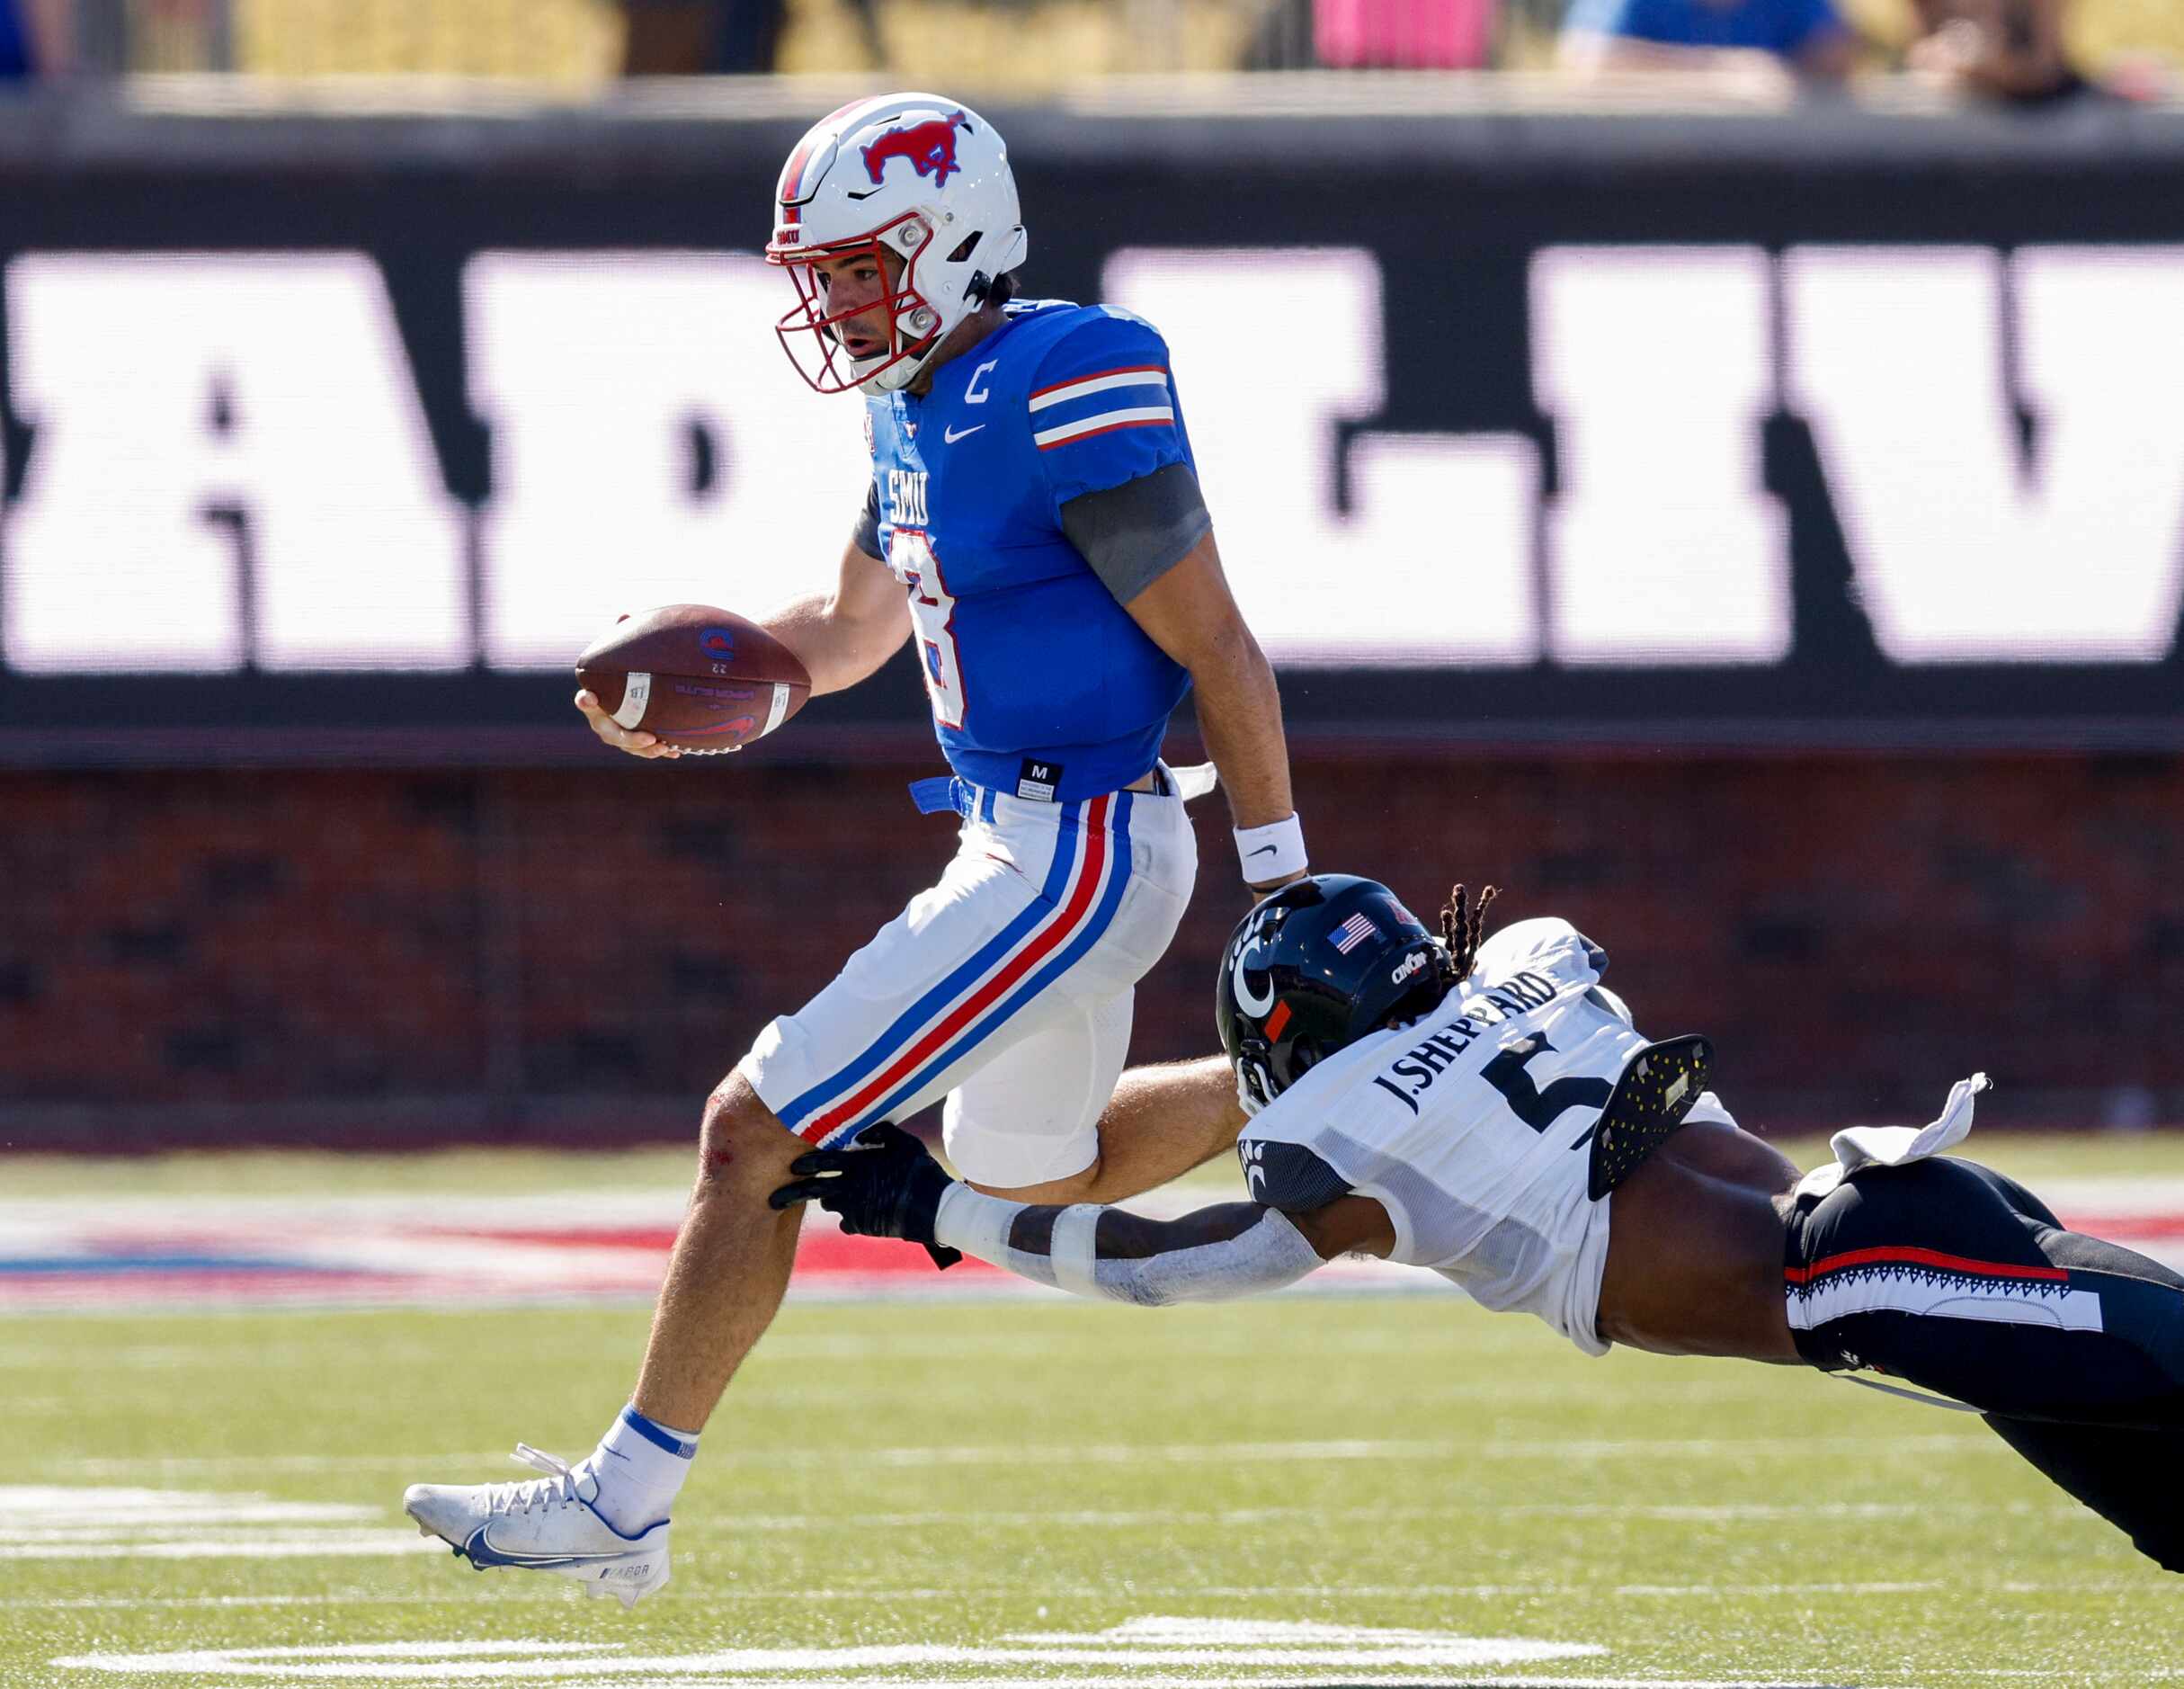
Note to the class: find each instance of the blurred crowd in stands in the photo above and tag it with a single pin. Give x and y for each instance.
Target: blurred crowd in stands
(2020, 52)
(2017, 51)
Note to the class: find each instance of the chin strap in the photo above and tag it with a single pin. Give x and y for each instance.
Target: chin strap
(898, 376)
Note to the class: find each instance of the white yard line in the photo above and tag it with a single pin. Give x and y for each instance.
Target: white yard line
(1140, 1518)
(1379, 1680)
(359, 1544)
(539, 1593)
(1737, 1592)
(543, 1595)
(1200, 1643)
(1066, 1455)
(574, 1670)
(22, 1506)
(1195, 1680)
(1345, 1448)
(175, 1543)
(252, 1465)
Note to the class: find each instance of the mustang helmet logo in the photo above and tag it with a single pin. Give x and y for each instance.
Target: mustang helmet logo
(930, 147)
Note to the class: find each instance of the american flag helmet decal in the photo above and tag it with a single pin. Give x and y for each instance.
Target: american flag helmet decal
(1353, 932)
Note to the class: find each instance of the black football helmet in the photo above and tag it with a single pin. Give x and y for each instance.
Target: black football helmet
(1315, 967)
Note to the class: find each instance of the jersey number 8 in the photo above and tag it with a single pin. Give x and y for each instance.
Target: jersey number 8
(911, 555)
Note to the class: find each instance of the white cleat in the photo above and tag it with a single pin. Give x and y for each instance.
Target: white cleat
(543, 1525)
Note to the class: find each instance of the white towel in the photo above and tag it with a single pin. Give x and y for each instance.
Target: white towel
(1857, 1147)
(1194, 779)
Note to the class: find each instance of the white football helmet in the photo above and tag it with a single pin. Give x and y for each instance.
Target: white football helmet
(923, 178)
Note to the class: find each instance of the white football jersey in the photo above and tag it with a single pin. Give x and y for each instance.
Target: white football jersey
(1473, 1125)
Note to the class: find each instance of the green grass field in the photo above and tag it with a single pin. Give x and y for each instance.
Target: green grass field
(1010, 1491)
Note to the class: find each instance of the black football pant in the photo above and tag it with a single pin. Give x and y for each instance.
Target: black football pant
(1949, 1276)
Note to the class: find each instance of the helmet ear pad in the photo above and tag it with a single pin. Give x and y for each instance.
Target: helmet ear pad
(1304, 1054)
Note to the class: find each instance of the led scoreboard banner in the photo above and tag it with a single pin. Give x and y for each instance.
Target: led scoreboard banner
(1746, 448)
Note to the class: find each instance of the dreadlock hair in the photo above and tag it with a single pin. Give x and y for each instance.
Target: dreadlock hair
(1463, 924)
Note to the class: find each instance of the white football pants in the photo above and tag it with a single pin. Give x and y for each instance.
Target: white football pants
(1006, 987)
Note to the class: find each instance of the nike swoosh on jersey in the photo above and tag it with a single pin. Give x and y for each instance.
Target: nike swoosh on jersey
(951, 436)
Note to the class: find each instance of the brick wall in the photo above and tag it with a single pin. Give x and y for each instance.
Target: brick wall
(406, 957)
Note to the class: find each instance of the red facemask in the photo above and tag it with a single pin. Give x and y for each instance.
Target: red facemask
(909, 325)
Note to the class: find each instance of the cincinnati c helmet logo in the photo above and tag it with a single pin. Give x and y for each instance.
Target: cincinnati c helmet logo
(930, 147)
(1258, 1005)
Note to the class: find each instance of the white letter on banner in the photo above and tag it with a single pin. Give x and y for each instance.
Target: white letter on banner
(1433, 562)
(1662, 544)
(193, 411)
(650, 444)
(1964, 550)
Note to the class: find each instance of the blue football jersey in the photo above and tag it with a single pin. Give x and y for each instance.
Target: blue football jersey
(1040, 680)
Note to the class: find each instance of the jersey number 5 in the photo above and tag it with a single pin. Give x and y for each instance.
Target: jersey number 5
(911, 555)
(1536, 1108)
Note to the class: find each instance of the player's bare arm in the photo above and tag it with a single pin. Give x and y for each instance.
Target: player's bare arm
(1163, 1121)
(1190, 613)
(842, 637)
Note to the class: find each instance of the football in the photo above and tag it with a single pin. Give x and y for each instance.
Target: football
(701, 678)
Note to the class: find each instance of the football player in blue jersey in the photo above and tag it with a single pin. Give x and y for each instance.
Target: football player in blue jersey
(1034, 523)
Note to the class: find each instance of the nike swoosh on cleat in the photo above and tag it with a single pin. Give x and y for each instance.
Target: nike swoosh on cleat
(503, 1557)
(494, 1556)
(951, 436)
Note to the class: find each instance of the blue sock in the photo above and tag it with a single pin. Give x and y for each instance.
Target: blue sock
(639, 1466)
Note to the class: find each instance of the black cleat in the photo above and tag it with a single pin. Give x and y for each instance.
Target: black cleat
(1651, 1099)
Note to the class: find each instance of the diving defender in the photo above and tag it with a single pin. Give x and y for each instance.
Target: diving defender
(1488, 1111)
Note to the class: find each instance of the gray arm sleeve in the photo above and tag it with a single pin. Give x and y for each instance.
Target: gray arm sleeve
(865, 536)
(1134, 534)
(1215, 1254)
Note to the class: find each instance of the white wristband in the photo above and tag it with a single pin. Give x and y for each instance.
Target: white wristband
(1272, 852)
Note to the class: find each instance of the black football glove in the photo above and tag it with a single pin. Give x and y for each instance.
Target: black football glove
(887, 1186)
